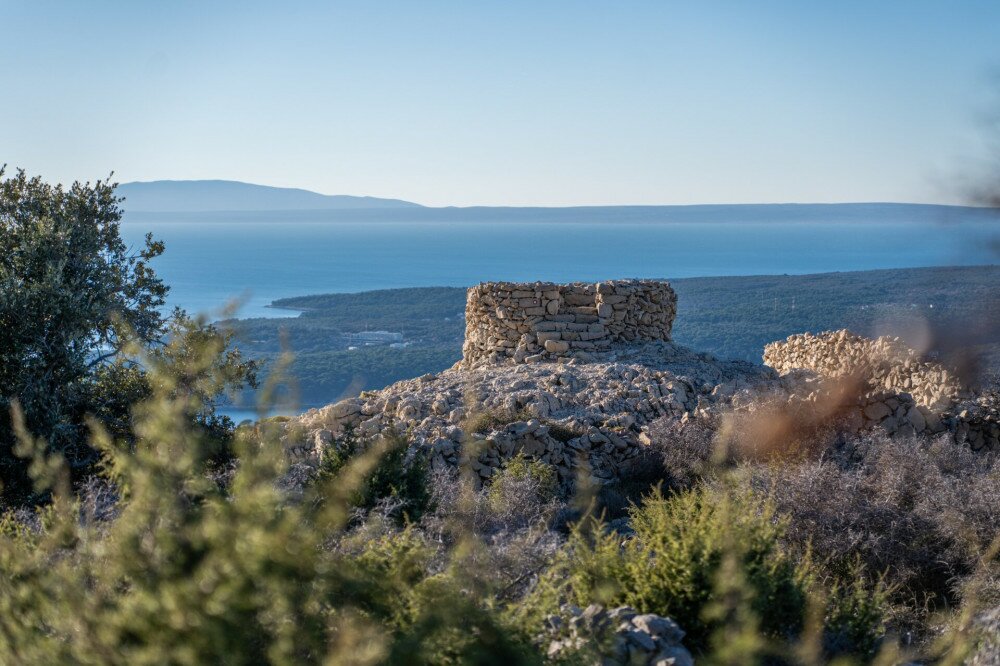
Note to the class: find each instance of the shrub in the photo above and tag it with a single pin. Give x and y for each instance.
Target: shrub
(855, 617)
(686, 451)
(502, 529)
(923, 512)
(398, 479)
(483, 421)
(671, 564)
(190, 571)
(522, 482)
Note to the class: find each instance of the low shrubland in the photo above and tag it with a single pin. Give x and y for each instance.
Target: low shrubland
(911, 522)
(868, 551)
(187, 570)
(139, 527)
(922, 514)
(713, 560)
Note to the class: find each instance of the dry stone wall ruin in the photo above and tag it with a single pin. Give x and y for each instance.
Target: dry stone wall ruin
(899, 391)
(531, 322)
(591, 412)
(885, 363)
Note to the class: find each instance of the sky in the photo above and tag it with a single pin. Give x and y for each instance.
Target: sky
(544, 102)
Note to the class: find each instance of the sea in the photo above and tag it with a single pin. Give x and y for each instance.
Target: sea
(219, 263)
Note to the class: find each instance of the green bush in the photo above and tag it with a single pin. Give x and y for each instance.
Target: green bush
(395, 478)
(691, 552)
(670, 565)
(518, 473)
(855, 619)
(192, 572)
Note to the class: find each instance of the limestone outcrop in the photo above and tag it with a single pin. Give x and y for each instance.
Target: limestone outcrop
(582, 418)
(531, 322)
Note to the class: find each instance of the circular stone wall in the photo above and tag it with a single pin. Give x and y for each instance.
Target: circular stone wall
(529, 322)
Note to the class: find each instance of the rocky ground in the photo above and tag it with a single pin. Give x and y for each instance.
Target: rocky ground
(629, 638)
(567, 414)
(592, 417)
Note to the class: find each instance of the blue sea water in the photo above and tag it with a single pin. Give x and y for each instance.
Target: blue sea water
(211, 258)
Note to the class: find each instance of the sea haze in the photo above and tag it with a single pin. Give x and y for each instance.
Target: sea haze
(214, 257)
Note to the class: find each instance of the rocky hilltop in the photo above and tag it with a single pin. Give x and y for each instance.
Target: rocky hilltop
(573, 375)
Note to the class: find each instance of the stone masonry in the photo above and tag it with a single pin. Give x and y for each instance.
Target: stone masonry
(899, 391)
(590, 414)
(886, 363)
(532, 322)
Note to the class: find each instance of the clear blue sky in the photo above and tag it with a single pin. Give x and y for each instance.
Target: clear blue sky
(506, 103)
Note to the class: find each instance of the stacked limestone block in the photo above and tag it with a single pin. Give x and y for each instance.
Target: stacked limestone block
(899, 391)
(886, 363)
(532, 322)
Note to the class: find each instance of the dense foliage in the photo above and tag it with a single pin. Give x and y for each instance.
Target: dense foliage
(76, 304)
(189, 570)
(71, 295)
(398, 481)
(681, 547)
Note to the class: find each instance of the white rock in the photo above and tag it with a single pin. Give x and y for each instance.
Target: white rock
(556, 346)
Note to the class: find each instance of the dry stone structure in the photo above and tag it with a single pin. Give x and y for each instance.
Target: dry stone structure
(590, 413)
(899, 391)
(885, 363)
(531, 322)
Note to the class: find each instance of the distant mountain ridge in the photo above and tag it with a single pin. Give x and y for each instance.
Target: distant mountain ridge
(236, 201)
(185, 196)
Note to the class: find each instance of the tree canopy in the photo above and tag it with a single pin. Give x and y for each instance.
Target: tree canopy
(73, 298)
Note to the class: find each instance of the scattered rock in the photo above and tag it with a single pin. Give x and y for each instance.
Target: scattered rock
(619, 636)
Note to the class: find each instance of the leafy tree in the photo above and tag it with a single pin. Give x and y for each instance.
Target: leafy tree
(76, 304)
(116, 387)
